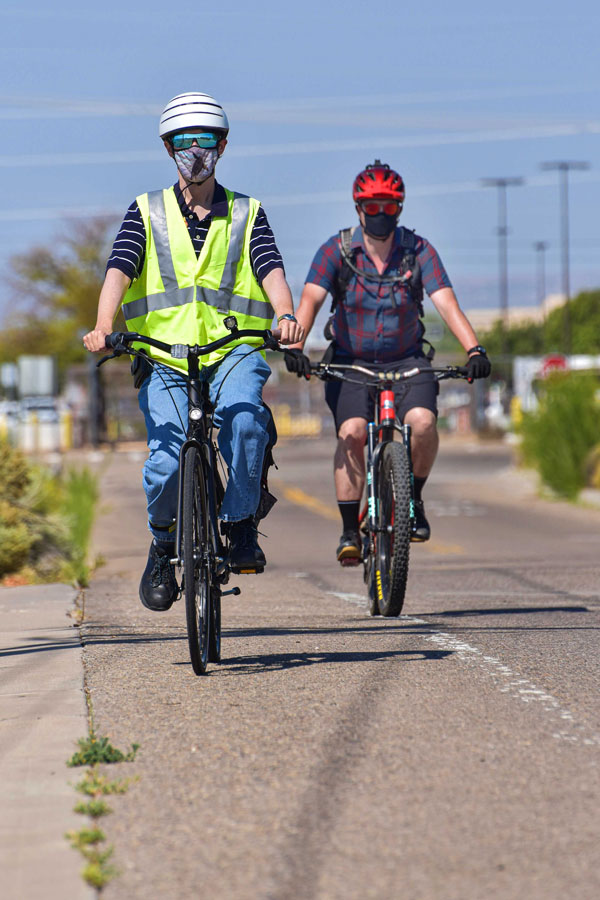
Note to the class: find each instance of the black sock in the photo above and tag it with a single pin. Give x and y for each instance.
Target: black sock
(349, 510)
(419, 485)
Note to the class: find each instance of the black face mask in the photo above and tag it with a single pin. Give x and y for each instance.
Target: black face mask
(380, 226)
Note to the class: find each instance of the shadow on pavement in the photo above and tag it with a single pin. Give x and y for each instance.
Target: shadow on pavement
(42, 647)
(271, 662)
(508, 610)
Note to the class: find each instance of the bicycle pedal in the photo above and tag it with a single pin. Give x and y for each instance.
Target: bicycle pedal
(350, 562)
(255, 571)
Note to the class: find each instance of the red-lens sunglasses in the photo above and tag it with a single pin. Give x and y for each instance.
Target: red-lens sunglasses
(372, 207)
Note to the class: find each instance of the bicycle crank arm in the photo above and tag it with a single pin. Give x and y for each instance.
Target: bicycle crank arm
(235, 591)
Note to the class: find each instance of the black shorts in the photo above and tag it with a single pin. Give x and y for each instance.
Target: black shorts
(348, 401)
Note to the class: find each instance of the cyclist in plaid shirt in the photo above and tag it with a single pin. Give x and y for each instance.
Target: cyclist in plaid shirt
(376, 274)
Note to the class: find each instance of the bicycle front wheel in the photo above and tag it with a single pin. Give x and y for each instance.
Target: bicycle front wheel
(197, 559)
(393, 529)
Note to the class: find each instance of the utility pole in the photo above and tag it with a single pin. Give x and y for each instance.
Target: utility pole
(502, 231)
(540, 248)
(563, 167)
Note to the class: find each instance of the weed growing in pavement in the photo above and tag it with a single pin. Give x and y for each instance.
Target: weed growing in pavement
(97, 871)
(93, 808)
(93, 784)
(94, 749)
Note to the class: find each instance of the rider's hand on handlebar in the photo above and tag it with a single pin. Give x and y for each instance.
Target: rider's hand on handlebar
(296, 361)
(478, 366)
(291, 332)
(95, 341)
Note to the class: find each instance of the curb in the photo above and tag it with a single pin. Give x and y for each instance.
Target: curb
(42, 715)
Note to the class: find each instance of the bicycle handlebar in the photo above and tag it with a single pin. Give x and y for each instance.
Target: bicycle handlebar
(335, 370)
(119, 342)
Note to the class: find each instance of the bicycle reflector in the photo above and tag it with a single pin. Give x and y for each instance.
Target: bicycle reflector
(230, 323)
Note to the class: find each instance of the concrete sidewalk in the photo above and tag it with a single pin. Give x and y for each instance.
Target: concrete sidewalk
(42, 715)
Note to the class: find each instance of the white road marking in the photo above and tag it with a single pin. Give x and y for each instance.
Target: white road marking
(356, 599)
(454, 508)
(506, 679)
(512, 683)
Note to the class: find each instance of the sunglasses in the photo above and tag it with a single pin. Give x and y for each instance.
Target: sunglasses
(372, 207)
(185, 140)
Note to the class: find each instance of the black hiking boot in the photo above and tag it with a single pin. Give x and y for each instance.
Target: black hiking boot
(245, 556)
(158, 587)
(349, 549)
(421, 531)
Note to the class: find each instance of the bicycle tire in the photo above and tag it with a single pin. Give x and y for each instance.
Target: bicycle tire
(393, 534)
(196, 560)
(214, 637)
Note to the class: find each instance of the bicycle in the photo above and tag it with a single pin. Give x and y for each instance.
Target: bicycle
(387, 519)
(201, 551)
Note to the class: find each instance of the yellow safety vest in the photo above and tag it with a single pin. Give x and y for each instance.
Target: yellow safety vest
(181, 299)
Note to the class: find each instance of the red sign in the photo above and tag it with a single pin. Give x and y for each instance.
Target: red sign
(554, 362)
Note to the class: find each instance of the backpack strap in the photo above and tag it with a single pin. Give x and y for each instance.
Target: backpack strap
(409, 271)
(345, 274)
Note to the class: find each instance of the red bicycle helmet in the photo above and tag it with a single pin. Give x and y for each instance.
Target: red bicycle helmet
(378, 182)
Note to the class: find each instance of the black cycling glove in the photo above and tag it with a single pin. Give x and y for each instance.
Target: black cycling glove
(296, 361)
(478, 366)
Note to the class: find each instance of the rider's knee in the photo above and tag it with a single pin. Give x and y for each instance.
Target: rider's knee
(422, 421)
(247, 421)
(353, 434)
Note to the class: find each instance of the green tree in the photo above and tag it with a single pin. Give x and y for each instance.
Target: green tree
(537, 338)
(584, 311)
(55, 293)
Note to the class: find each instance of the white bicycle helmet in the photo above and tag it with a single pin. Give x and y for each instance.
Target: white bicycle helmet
(192, 110)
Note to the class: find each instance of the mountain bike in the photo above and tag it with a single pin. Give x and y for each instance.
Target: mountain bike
(201, 551)
(387, 519)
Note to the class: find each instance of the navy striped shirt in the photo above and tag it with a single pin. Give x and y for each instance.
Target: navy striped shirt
(129, 248)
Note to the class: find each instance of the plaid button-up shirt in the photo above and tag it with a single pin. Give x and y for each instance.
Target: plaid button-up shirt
(367, 325)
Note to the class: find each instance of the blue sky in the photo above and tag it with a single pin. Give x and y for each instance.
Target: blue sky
(447, 94)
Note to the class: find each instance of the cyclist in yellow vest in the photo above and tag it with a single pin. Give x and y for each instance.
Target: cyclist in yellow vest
(185, 258)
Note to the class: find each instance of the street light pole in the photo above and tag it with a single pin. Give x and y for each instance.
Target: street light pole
(540, 248)
(563, 167)
(501, 184)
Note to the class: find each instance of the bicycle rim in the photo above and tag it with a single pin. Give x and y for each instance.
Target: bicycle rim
(393, 534)
(196, 560)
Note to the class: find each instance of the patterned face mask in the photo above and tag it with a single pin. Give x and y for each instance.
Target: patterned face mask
(196, 164)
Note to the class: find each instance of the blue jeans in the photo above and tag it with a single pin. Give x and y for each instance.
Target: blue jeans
(242, 420)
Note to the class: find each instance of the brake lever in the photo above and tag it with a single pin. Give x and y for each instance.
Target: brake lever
(117, 352)
(271, 342)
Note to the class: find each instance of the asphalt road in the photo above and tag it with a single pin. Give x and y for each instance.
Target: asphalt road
(452, 753)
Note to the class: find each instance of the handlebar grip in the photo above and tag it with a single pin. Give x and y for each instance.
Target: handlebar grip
(119, 338)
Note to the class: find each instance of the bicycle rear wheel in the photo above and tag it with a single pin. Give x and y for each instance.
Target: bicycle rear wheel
(197, 560)
(393, 532)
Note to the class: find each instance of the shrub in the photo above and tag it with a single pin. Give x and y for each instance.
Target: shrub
(558, 437)
(45, 520)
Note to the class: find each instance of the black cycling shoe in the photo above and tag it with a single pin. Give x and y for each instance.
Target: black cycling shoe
(158, 587)
(421, 531)
(349, 549)
(245, 556)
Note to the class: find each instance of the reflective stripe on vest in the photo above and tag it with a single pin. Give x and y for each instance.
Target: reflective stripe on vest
(222, 299)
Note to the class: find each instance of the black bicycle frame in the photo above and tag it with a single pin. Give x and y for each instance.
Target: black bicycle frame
(200, 412)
